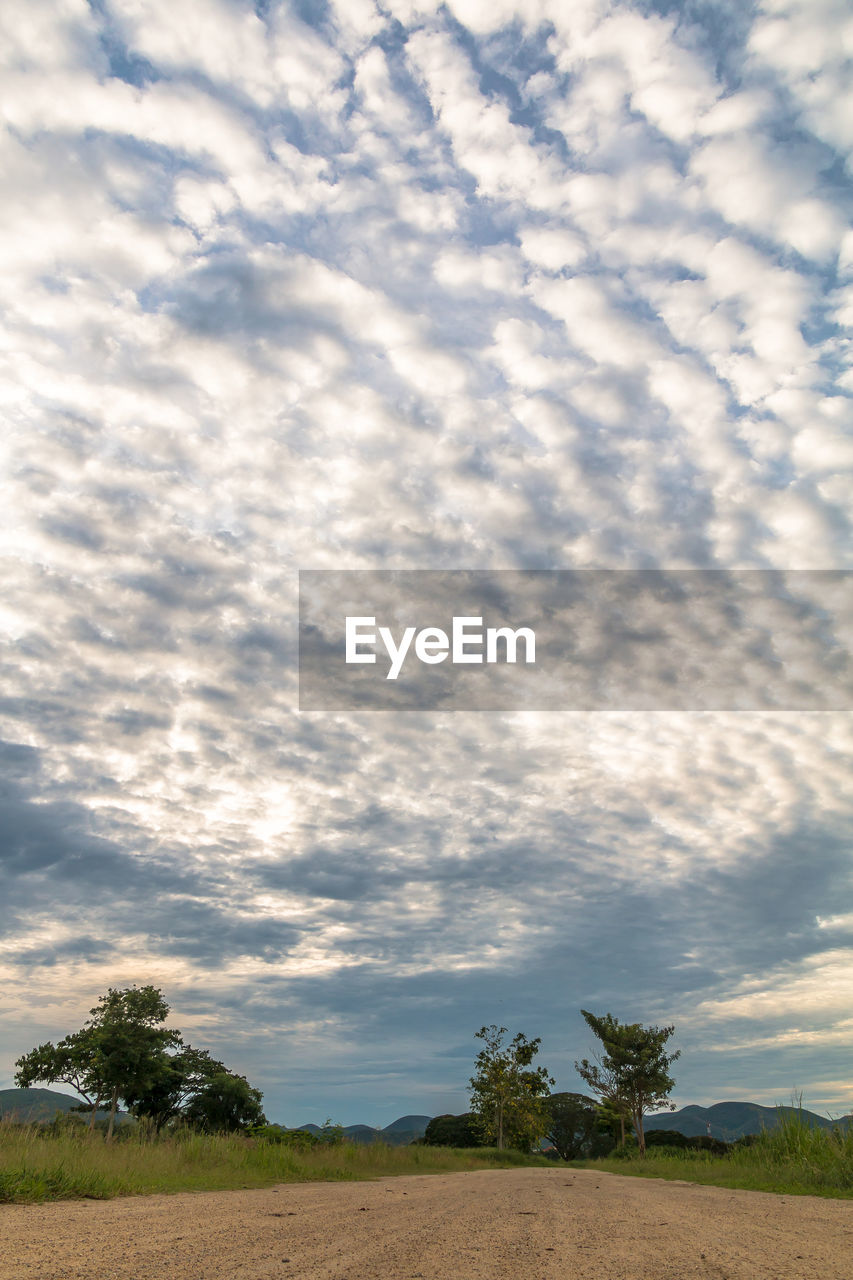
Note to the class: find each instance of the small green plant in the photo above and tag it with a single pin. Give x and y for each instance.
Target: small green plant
(331, 1133)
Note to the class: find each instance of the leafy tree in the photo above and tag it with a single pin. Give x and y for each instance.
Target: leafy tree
(179, 1078)
(72, 1061)
(117, 1053)
(507, 1091)
(612, 1112)
(131, 1040)
(572, 1122)
(632, 1074)
(454, 1131)
(124, 1052)
(228, 1103)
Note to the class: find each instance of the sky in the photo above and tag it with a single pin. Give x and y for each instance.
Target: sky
(489, 284)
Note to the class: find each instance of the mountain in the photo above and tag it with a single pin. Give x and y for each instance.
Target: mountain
(362, 1133)
(399, 1133)
(29, 1105)
(405, 1130)
(37, 1106)
(408, 1124)
(355, 1132)
(731, 1120)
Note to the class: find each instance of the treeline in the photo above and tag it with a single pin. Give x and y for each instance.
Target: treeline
(512, 1104)
(124, 1053)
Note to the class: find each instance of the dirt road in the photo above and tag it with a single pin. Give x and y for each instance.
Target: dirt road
(535, 1224)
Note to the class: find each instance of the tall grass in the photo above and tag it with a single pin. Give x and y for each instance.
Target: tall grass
(793, 1158)
(36, 1164)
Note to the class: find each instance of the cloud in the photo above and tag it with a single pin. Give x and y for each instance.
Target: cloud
(513, 285)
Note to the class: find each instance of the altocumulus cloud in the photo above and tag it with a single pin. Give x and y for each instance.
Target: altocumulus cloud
(472, 285)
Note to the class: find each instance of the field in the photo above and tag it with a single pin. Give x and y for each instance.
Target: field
(792, 1159)
(39, 1164)
(56, 1163)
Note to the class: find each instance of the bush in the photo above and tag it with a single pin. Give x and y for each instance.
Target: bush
(297, 1139)
(331, 1133)
(674, 1140)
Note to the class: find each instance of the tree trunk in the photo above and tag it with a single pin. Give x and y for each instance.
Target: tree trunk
(622, 1126)
(500, 1125)
(93, 1113)
(641, 1137)
(113, 1105)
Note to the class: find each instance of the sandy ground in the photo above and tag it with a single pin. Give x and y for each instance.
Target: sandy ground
(539, 1224)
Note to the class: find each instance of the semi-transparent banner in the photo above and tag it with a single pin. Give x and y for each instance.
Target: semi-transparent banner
(551, 640)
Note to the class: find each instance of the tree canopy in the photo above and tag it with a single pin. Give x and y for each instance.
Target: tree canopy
(507, 1091)
(181, 1077)
(225, 1103)
(572, 1120)
(119, 1051)
(124, 1052)
(632, 1074)
(454, 1131)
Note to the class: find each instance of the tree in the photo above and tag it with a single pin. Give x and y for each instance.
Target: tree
(131, 1041)
(124, 1052)
(507, 1092)
(226, 1103)
(118, 1052)
(612, 1112)
(454, 1131)
(632, 1074)
(571, 1124)
(72, 1061)
(181, 1076)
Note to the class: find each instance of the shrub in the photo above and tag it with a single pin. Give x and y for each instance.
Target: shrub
(674, 1140)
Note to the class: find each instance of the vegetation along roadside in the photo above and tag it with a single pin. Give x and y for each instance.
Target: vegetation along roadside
(192, 1124)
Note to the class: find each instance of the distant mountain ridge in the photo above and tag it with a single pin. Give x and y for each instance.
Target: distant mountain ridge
(36, 1106)
(728, 1120)
(732, 1120)
(399, 1133)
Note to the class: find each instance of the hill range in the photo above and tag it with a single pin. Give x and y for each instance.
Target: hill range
(732, 1120)
(39, 1106)
(397, 1134)
(728, 1120)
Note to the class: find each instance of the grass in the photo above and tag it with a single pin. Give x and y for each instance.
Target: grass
(45, 1163)
(36, 1164)
(793, 1159)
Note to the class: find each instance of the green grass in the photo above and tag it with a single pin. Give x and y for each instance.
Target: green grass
(38, 1165)
(793, 1159)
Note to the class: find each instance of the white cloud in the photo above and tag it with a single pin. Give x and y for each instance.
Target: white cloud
(603, 331)
(808, 43)
(552, 248)
(769, 191)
